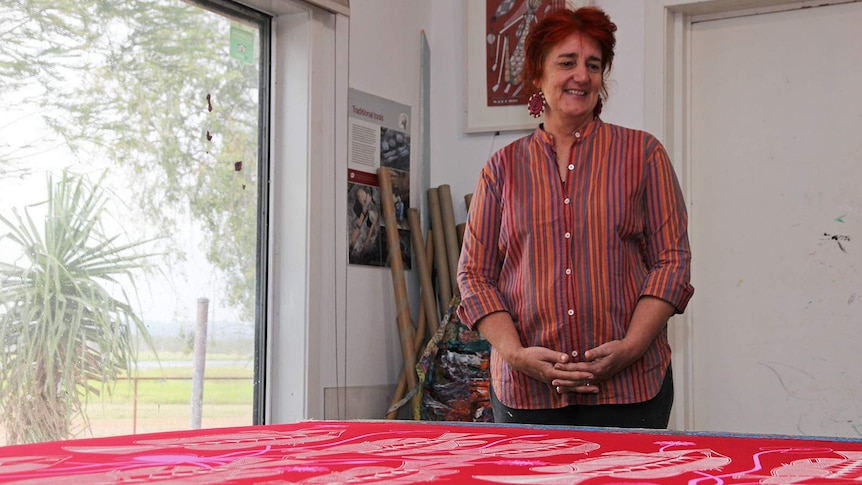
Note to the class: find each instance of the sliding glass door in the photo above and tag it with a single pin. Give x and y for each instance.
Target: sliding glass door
(133, 200)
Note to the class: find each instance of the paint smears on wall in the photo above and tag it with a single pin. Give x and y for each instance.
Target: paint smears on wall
(838, 238)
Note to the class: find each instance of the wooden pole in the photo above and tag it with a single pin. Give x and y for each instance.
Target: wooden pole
(444, 283)
(401, 388)
(428, 301)
(429, 256)
(450, 236)
(405, 323)
(200, 357)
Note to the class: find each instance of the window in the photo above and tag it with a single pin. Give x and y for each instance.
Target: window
(133, 173)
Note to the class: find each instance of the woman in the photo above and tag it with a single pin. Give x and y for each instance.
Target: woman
(576, 250)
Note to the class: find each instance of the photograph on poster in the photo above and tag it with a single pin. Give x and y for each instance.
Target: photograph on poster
(364, 229)
(401, 195)
(394, 149)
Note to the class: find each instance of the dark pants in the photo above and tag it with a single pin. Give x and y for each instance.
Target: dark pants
(652, 414)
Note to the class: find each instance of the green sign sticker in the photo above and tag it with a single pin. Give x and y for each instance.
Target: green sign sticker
(242, 45)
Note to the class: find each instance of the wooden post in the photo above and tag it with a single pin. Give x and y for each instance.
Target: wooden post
(459, 229)
(401, 388)
(444, 283)
(135, 407)
(429, 256)
(200, 363)
(450, 236)
(405, 323)
(428, 300)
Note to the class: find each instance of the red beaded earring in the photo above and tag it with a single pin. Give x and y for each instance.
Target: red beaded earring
(536, 104)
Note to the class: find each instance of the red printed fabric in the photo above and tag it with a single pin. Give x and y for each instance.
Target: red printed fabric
(569, 259)
(402, 452)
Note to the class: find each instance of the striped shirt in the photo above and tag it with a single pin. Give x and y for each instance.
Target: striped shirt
(569, 260)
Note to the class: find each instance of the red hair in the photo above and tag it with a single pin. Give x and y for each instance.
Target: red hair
(556, 26)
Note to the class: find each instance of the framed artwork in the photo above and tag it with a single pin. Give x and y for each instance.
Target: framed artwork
(495, 31)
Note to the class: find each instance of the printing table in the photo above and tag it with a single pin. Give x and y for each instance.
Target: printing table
(401, 452)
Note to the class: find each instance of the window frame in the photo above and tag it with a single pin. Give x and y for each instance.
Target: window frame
(307, 161)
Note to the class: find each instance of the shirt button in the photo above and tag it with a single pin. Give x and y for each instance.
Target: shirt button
(568, 270)
(577, 134)
(571, 312)
(566, 200)
(571, 167)
(568, 235)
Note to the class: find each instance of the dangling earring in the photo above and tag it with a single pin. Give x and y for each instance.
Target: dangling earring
(598, 109)
(536, 104)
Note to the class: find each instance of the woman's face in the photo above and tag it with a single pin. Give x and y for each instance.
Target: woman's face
(572, 79)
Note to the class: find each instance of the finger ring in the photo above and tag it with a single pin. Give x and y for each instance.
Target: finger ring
(587, 383)
(558, 389)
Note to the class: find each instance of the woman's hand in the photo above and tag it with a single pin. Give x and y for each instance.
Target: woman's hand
(608, 359)
(550, 366)
(602, 362)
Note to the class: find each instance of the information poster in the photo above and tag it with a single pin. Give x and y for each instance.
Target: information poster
(378, 136)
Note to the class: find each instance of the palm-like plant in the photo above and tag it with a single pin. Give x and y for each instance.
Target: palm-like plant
(64, 333)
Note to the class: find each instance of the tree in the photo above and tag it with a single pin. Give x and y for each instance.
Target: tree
(189, 113)
(41, 39)
(157, 91)
(64, 331)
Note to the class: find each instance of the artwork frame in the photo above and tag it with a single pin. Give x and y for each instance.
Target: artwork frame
(511, 114)
(478, 116)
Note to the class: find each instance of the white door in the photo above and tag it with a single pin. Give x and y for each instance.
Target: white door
(776, 221)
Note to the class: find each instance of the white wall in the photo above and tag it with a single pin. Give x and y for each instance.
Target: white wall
(456, 157)
(384, 61)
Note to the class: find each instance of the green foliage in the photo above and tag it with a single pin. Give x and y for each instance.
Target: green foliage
(188, 341)
(41, 40)
(62, 324)
(42, 37)
(161, 76)
(146, 74)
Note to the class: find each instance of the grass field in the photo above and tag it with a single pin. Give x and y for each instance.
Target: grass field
(158, 398)
(115, 419)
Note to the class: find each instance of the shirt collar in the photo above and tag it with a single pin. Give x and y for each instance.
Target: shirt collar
(546, 138)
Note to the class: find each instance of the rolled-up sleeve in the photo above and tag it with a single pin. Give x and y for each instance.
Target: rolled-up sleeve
(668, 253)
(481, 257)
